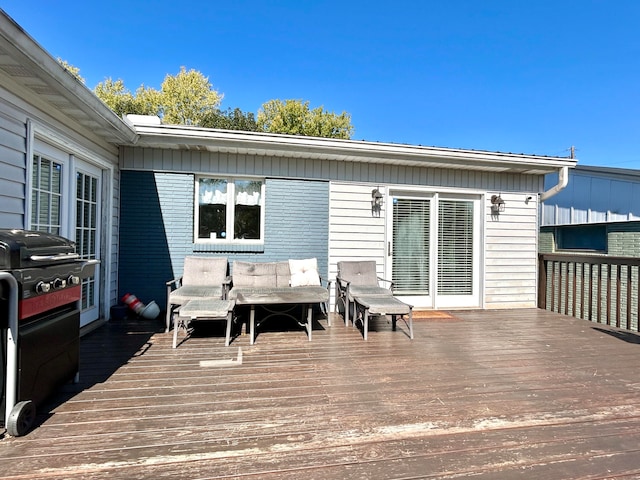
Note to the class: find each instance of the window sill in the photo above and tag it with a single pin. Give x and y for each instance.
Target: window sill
(221, 247)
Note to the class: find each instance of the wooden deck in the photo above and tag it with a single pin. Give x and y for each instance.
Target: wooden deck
(482, 394)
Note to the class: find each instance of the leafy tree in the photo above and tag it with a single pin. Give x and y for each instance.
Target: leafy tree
(231, 119)
(187, 98)
(295, 118)
(184, 99)
(75, 71)
(120, 99)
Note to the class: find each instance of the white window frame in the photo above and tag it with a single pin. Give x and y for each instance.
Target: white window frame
(229, 239)
(52, 154)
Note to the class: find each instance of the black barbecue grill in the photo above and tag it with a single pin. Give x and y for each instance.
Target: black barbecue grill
(40, 291)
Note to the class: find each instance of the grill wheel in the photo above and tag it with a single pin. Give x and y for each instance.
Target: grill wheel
(21, 418)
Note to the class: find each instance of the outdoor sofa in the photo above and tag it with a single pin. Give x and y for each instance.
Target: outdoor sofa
(278, 287)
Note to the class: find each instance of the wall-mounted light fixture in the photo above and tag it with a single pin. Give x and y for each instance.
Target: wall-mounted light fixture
(497, 204)
(376, 202)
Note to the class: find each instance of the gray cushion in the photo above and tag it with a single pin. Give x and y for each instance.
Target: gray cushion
(261, 274)
(355, 290)
(204, 270)
(358, 272)
(191, 292)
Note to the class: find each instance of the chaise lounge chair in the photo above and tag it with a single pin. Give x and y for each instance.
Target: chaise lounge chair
(203, 277)
(359, 293)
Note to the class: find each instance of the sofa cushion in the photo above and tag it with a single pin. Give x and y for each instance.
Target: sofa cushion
(304, 272)
(253, 274)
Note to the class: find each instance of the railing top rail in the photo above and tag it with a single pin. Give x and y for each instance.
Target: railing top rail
(590, 259)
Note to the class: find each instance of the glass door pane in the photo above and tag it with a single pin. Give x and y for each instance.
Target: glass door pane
(411, 229)
(455, 247)
(87, 235)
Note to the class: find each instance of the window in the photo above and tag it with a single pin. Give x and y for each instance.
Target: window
(46, 201)
(229, 210)
(582, 237)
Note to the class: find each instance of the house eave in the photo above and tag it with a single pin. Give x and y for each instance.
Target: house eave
(39, 75)
(302, 147)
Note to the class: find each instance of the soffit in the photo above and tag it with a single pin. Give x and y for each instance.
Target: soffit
(37, 77)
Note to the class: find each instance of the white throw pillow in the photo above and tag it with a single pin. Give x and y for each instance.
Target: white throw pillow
(304, 272)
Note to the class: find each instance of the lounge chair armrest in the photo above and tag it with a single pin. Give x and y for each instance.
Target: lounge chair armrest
(342, 283)
(176, 281)
(389, 283)
(227, 283)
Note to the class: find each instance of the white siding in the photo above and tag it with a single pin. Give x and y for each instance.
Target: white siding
(65, 135)
(12, 169)
(354, 234)
(196, 161)
(509, 259)
(511, 240)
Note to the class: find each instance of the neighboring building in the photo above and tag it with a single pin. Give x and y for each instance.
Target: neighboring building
(453, 228)
(598, 212)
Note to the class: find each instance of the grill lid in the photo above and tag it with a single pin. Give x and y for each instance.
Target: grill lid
(30, 248)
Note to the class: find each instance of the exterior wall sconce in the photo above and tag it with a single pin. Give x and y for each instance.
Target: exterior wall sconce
(497, 204)
(376, 202)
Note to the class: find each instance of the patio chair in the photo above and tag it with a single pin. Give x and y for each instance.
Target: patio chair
(358, 286)
(202, 277)
(357, 278)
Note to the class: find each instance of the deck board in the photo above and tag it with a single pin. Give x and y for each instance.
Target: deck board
(479, 394)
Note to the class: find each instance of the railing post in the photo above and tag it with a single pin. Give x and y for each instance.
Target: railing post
(542, 282)
(595, 299)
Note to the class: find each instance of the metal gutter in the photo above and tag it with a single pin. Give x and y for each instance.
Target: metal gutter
(563, 181)
(174, 136)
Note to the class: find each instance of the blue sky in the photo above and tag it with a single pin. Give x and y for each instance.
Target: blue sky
(502, 75)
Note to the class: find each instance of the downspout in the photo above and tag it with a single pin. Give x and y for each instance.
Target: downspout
(563, 180)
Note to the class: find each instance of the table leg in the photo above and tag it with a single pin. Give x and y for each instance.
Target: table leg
(346, 308)
(365, 323)
(175, 330)
(229, 321)
(252, 324)
(411, 323)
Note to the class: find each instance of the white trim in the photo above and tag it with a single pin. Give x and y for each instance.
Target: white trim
(28, 186)
(108, 188)
(62, 142)
(270, 144)
(229, 211)
(435, 195)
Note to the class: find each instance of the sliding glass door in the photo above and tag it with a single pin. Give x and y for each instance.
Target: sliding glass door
(434, 249)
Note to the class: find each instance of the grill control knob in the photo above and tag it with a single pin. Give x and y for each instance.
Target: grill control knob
(73, 280)
(59, 283)
(42, 287)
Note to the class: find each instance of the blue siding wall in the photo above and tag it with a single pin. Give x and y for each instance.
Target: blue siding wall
(156, 230)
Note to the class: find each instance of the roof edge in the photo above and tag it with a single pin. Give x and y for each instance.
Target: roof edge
(156, 134)
(76, 91)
